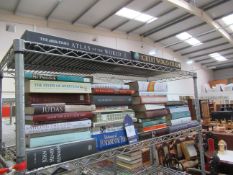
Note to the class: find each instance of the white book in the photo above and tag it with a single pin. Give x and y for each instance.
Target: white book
(181, 121)
(110, 86)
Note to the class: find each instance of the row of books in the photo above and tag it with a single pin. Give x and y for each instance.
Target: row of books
(66, 112)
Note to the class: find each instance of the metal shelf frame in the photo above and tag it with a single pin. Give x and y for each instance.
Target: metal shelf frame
(25, 55)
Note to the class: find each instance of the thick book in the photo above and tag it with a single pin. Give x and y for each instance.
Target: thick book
(140, 93)
(151, 134)
(150, 122)
(128, 166)
(175, 103)
(41, 86)
(110, 140)
(57, 108)
(53, 77)
(35, 129)
(181, 121)
(110, 86)
(111, 100)
(108, 91)
(147, 107)
(152, 86)
(152, 114)
(99, 117)
(178, 108)
(152, 128)
(177, 115)
(111, 109)
(35, 98)
(149, 100)
(113, 122)
(32, 142)
(58, 117)
(40, 157)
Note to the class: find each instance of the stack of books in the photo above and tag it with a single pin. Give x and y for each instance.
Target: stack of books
(148, 104)
(58, 117)
(130, 161)
(180, 117)
(112, 105)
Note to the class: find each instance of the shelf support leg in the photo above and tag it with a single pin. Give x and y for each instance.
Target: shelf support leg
(20, 101)
(200, 140)
(1, 144)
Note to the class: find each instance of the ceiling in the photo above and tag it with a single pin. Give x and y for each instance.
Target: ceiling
(171, 21)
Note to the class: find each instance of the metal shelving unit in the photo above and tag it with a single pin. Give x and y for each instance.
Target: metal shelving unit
(31, 56)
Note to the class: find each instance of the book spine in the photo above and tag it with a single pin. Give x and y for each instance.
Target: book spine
(177, 115)
(111, 108)
(35, 98)
(155, 127)
(34, 129)
(147, 107)
(157, 99)
(39, 86)
(152, 114)
(110, 140)
(112, 91)
(114, 122)
(46, 109)
(113, 116)
(152, 86)
(153, 122)
(37, 76)
(139, 93)
(110, 86)
(181, 121)
(40, 157)
(60, 117)
(179, 109)
(104, 100)
(57, 139)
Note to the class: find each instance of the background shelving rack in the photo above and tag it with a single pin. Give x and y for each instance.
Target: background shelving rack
(26, 55)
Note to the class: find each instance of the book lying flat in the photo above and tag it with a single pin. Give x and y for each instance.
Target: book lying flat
(148, 86)
(110, 86)
(149, 100)
(103, 123)
(44, 156)
(111, 100)
(147, 107)
(101, 109)
(152, 114)
(129, 166)
(109, 91)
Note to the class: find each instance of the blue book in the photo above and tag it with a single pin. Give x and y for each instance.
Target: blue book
(110, 139)
(69, 78)
(57, 139)
(177, 115)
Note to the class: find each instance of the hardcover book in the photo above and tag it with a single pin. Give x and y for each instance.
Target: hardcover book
(40, 157)
(40, 86)
(110, 86)
(149, 100)
(113, 116)
(111, 100)
(181, 121)
(150, 122)
(152, 114)
(113, 122)
(33, 129)
(58, 117)
(152, 86)
(152, 128)
(140, 93)
(147, 107)
(100, 109)
(52, 77)
(110, 140)
(177, 115)
(32, 142)
(57, 108)
(112, 91)
(35, 98)
(129, 166)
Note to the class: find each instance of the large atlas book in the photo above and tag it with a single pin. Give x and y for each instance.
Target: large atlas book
(35, 98)
(41, 86)
(54, 77)
(44, 156)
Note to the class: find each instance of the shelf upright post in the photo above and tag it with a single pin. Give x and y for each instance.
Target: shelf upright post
(200, 141)
(20, 101)
(1, 144)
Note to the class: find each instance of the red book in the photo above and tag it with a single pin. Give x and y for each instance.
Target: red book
(152, 114)
(68, 116)
(35, 98)
(154, 127)
(112, 91)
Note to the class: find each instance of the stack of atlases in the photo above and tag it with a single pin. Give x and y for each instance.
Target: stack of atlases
(180, 117)
(112, 105)
(130, 161)
(58, 117)
(148, 104)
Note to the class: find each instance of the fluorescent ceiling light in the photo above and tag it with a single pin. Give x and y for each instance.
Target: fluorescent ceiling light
(136, 15)
(186, 37)
(152, 52)
(217, 57)
(228, 20)
(189, 62)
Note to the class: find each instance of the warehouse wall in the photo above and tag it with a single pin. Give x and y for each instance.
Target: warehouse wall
(223, 74)
(102, 37)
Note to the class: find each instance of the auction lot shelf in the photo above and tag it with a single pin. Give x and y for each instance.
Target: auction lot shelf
(42, 58)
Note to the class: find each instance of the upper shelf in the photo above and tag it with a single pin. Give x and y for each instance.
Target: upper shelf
(48, 53)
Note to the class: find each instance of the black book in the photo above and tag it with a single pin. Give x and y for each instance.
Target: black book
(111, 100)
(44, 156)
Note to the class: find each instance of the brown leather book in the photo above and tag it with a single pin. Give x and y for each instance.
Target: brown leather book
(35, 98)
(152, 114)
